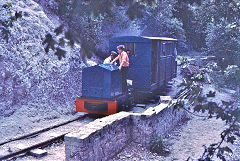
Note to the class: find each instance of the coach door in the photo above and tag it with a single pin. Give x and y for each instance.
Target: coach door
(162, 63)
(154, 69)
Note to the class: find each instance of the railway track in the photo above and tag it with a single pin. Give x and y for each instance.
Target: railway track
(42, 138)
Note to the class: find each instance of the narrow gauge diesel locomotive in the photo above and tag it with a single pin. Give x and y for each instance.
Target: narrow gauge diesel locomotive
(152, 65)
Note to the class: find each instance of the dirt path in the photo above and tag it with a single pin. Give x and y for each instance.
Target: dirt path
(186, 140)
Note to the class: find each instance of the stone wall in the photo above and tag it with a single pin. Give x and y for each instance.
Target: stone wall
(104, 138)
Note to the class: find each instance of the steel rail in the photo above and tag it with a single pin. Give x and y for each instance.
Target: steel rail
(38, 145)
(42, 144)
(41, 131)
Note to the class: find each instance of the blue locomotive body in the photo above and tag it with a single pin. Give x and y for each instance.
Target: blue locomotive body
(101, 81)
(152, 65)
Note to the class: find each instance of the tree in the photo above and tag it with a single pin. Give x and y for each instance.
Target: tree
(85, 20)
(184, 11)
(219, 19)
(159, 21)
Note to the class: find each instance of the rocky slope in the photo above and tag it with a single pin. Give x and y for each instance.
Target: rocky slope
(31, 79)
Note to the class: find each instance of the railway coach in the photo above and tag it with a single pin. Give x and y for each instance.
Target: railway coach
(152, 65)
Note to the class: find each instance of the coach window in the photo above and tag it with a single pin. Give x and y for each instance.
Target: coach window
(172, 49)
(159, 49)
(163, 49)
(168, 49)
(131, 47)
(175, 53)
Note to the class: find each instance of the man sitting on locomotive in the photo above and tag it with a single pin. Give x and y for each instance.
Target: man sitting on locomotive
(110, 58)
(124, 65)
(128, 52)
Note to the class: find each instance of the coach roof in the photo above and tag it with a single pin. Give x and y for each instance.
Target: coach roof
(139, 39)
(160, 38)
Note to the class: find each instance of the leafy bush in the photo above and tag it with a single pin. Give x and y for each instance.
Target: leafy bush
(219, 21)
(158, 145)
(197, 77)
(231, 70)
(159, 21)
(224, 78)
(181, 60)
(212, 66)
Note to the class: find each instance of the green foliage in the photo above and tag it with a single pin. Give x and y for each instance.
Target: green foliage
(219, 21)
(96, 8)
(213, 66)
(8, 22)
(158, 145)
(198, 77)
(236, 114)
(59, 29)
(226, 77)
(222, 43)
(88, 21)
(60, 53)
(7, 5)
(135, 11)
(184, 11)
(228, 135)
(231, 70)
(159, 21)
(50, 42)
(16, 16)
(57, 45)
(71, 36)
(94, 21)
(64, 7)
(87, 48)
(211, 94)
(186, 83)
(182, 60)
